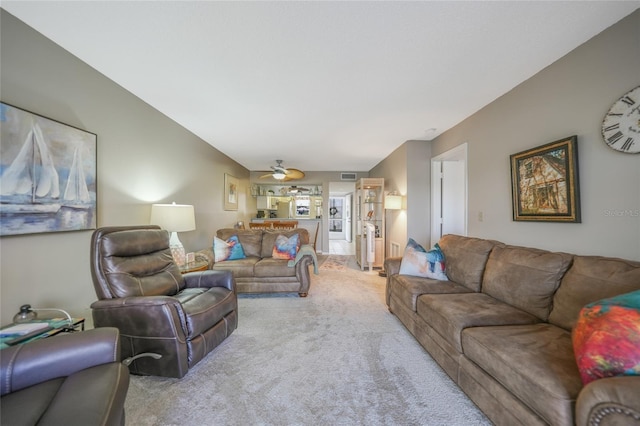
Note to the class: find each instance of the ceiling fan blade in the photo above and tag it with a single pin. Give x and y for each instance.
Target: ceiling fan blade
(266, 176)
(294, 174)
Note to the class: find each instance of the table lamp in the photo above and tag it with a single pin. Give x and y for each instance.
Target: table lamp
(174, 218)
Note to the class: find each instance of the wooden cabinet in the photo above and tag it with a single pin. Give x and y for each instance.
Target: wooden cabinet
(266, 202)
(370, 223)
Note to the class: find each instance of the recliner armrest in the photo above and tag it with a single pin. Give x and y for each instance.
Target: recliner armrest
(210, 279)
(35, 362)
(151, 316)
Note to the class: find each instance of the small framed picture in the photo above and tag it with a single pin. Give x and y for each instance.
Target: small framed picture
(230, 192)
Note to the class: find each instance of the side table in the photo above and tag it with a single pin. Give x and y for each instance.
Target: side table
(197, 265)
(56, 326)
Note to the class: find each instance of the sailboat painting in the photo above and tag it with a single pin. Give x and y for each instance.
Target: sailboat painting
(47, 175)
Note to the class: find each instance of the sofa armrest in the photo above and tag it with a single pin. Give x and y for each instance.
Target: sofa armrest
(210, 279)
(35, 362)
(392, 265)
(206, 254)
(392, 268)
(302, 274)
(610, 401)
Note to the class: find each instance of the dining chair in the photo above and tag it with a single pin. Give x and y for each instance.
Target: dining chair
(259, 225)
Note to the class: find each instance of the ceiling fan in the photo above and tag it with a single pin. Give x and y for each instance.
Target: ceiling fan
(296, 189)
(283, 174)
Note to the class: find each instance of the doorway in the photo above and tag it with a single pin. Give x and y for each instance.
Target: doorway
(341, 221)
(449, 193)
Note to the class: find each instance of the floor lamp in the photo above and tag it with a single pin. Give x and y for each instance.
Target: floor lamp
(174, 218)
(392, 201)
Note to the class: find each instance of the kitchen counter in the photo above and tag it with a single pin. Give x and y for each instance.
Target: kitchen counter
(309, 224)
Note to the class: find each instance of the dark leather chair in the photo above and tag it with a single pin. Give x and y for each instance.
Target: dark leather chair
(68, 379)
(156, 308)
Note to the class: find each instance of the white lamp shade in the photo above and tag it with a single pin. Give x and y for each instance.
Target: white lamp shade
(173, 217)
(393, 202)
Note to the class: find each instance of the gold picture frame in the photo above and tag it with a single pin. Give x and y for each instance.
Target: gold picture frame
(544, 182)
(230, 192)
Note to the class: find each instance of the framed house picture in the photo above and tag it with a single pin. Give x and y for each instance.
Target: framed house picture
(544, 183)
(230, 192)
(47, 175)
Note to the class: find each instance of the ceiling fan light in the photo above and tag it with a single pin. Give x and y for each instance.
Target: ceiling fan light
(279, 175)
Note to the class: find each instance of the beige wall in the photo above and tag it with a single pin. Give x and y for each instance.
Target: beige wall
(407, 170)
(143, 157)
(568, 97)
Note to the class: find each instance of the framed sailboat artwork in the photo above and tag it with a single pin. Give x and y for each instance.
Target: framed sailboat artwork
(47, 175)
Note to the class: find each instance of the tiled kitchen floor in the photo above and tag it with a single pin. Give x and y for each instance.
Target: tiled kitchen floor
(342, 247)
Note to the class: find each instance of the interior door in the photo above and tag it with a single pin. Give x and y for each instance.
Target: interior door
(449, 193)
(453, 200)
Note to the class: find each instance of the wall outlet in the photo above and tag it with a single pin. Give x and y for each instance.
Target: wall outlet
(480, 216)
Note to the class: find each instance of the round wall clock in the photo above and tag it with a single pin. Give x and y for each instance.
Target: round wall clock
(621, 125)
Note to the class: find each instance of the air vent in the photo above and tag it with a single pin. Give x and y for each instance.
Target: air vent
(347, 176)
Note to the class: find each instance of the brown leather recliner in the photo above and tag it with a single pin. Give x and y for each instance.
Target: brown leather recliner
(156, 308)
(68, 379)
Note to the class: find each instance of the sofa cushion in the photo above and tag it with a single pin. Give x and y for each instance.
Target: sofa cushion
(227, 250)
(606, 338)
(251, 240)
(239, 268)
(419, 262)
(270, 267)
(524, 277)
(407, 288)
(466, 259)
(537, 365)
(450, 314)
(592, 278)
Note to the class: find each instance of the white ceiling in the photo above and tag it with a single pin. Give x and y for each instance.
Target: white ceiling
(325, 86)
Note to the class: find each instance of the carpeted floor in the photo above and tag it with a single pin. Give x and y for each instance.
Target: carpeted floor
(336, 357)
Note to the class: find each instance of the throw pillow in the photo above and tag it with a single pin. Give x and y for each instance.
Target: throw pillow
(418, 262)
(606, 338)
(286, 248)
(227, 250)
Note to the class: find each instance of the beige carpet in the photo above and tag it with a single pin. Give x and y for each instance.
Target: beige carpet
(336, 357)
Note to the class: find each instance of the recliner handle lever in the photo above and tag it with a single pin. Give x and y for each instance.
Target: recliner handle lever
(128, 361)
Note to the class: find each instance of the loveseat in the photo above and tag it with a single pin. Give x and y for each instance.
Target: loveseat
(68, 379)
(501, 328)
(259, 271)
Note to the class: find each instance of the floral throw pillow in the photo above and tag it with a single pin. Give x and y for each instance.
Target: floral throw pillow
(227, 250)
(606, 338)
(418, 262)
(286, 248)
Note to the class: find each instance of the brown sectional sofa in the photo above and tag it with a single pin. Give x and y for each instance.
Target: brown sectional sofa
(501, 329)
(259, 272)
